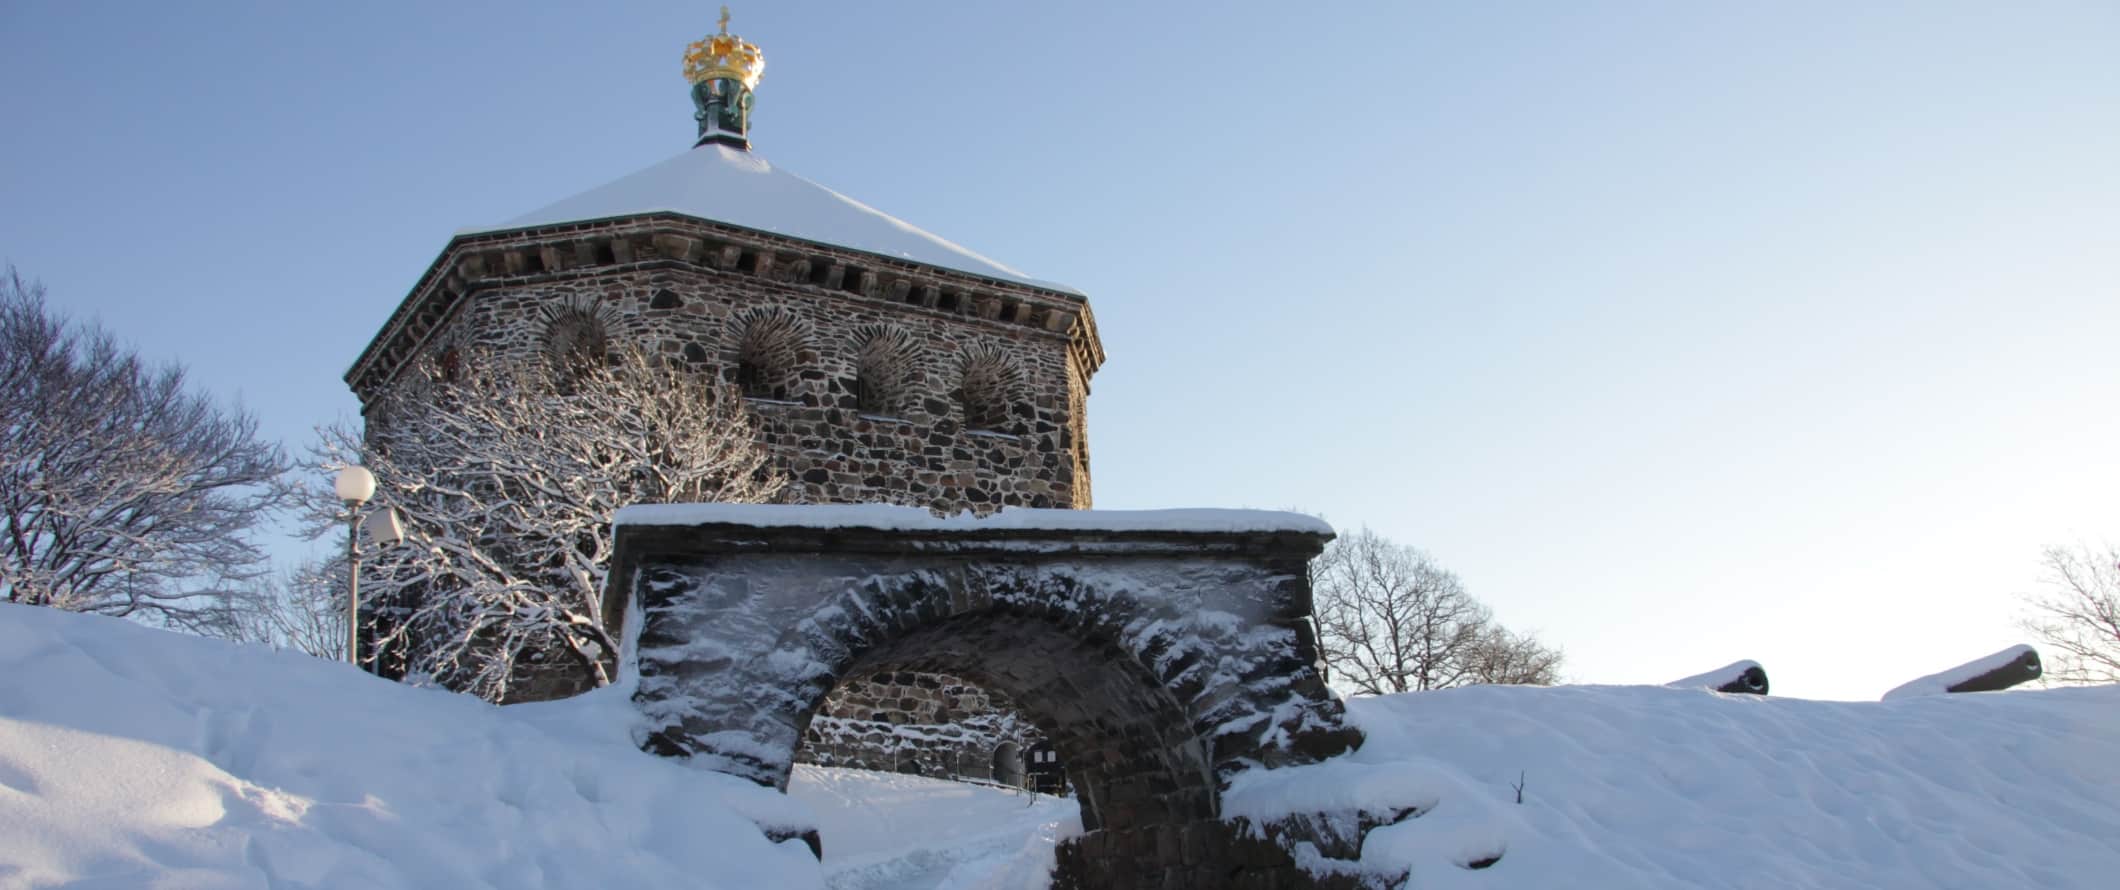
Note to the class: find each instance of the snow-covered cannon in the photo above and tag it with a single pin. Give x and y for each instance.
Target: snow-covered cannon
(1745, 677)
(1996, 672)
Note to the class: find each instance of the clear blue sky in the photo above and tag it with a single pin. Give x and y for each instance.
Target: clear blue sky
(1683, 332)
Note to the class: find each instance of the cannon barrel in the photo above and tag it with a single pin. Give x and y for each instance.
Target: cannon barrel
(1993, 673)
(1742, 677)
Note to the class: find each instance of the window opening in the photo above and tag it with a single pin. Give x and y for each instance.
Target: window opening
(752, 381)
(868, 395)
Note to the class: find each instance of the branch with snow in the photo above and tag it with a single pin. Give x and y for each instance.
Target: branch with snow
(508, 483)
(121, 492)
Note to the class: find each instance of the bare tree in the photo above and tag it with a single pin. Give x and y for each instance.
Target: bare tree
(120, 492)
(1391, 620)
(302, 608)
(507, 482)
(1505, 656)
(2078, 615)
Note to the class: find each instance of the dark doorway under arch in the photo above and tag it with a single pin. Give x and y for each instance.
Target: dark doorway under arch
(1007, 765)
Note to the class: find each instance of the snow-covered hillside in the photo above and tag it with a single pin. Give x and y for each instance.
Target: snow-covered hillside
(136, 758)
(1650, 787)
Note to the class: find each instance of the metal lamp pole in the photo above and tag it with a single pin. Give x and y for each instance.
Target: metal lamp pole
(355, 486)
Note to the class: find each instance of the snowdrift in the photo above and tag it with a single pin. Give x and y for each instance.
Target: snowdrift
(1650, 787)
(134, 758)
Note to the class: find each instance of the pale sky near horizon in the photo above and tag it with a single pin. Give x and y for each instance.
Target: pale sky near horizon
(1682, 332)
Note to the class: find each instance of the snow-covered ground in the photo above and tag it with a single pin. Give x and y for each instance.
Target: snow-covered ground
(136, 758)
(1651, 787)
(891, 832)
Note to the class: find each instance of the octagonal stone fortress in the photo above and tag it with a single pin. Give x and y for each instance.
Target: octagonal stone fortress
(886, 364)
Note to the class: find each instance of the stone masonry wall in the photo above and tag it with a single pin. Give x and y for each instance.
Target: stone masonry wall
(967, 402)
(905, 697)
(929, 724)
(973, 747)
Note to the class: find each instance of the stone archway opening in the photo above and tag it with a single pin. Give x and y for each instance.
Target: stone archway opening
(935, 725)
(1160, 653)
(1130, 749)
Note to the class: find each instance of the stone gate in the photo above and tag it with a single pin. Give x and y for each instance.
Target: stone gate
(1161, 652)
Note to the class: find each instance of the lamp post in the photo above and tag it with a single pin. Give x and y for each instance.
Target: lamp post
(355, 486)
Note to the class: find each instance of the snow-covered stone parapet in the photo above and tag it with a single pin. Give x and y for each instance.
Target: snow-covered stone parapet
(887, 517)
(1999, 671)
(1163, 653)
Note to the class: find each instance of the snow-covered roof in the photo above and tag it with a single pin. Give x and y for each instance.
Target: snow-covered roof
(729, 185)
(885, 517)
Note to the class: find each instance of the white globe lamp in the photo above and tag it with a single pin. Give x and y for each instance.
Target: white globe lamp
(355, 484)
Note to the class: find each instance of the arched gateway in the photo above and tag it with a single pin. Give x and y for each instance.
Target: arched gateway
(1161, 652)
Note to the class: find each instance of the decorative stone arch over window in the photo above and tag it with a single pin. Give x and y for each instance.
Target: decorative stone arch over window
(989, 386)
(577, 335)
(766, 348)
(887, 370)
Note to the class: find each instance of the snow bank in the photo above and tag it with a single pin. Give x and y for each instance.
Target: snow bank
(1940, 683)
(136, 758)
(887, 517)
(132, 757)
(1651, 787)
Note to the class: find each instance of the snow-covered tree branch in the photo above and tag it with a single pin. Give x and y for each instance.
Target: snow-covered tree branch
(507, 482)
(1391, 620)
(120, 492)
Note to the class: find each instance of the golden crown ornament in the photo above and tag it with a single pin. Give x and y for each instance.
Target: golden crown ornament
(723, 69)
(724, 56)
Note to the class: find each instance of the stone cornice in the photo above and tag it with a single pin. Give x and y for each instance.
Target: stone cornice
(666, 240)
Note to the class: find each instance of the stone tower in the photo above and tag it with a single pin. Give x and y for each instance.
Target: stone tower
(882, 363)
